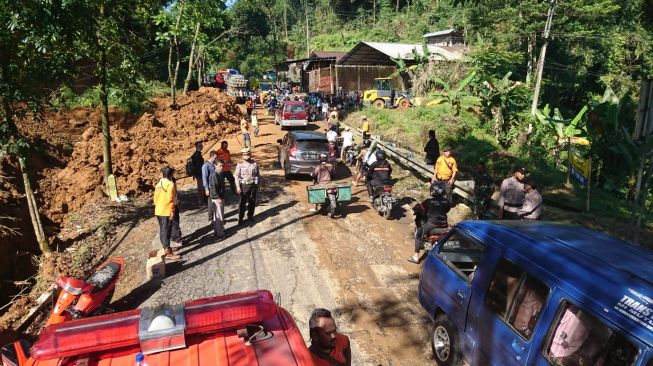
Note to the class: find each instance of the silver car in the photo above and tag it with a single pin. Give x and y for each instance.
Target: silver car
(300, 151)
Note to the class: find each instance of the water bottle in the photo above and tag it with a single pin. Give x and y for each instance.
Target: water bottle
(140, 360)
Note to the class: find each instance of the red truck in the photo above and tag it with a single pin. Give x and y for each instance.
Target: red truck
(239, 329)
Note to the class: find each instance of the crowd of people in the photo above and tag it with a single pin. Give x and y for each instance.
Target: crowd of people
(210, 175)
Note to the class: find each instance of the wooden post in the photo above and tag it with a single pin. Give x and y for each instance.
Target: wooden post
(568, 184)
(589, 184)
(337, 80)
(330, 79)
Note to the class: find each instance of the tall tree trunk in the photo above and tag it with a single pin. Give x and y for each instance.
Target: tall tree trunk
(191, 59)
(373, 12)
(285, 20)
(171, 77)
(175, 44)
(104, 109)
(200, 67)
(531, 58)
(33, 209)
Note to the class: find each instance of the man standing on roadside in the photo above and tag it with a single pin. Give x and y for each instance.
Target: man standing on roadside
(511, 195)
(445, 171)
(165, 196)
(247, 177)
(244, 129)
(365, 127)
(225, 156)
(328, 347)
(432, 149)
(198, 161)
(532, 207)
(207, 170)
(249, 105)
(216, 200)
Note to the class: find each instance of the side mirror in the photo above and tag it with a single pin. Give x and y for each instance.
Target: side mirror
(279, 141)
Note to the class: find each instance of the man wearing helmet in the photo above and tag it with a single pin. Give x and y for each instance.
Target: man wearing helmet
(379, 172)
(430, 214)
(321, 174)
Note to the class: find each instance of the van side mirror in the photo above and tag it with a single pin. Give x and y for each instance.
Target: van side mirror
(279, 141)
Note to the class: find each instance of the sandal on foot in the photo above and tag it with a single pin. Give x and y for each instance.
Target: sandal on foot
(413, 260)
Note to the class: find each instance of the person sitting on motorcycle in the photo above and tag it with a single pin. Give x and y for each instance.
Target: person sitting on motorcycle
(321, 174)
(378, 174)
(430, 214)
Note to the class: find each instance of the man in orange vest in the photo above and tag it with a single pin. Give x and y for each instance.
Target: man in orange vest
(250, 106)
(328, 347)
(225, 156)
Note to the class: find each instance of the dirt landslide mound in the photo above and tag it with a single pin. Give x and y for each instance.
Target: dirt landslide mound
(161, 136)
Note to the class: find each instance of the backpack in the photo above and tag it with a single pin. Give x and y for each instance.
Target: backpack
(190, 167)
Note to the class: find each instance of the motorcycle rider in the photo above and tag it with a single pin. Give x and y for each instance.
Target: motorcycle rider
(430, 214)
(378, 174)
(322, 174)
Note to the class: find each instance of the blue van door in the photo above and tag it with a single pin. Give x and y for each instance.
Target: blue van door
(504, 319)
(448, 278)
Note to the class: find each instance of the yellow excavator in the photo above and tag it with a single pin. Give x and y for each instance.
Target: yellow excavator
(384, 96)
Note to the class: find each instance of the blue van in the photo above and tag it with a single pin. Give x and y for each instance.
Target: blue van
(530, 293)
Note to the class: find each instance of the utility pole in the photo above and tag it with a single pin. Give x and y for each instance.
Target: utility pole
(540, 62)
(308, 34)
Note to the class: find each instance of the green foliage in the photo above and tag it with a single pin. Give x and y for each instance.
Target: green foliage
(454, 95)
(128, 101)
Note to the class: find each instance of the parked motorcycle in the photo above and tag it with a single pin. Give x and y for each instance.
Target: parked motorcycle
(383, 201)
(350, 156)
(331, 201)
(79, 298)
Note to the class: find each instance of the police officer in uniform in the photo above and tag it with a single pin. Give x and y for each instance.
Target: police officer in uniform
(511, 196)
(430, 214)
(247, 178)
(483, 190)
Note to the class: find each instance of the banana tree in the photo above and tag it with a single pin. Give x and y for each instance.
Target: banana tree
(562, 130)
(454, 94)
(500, 100)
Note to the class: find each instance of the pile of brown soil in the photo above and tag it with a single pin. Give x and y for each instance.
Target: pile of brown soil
(140, 148)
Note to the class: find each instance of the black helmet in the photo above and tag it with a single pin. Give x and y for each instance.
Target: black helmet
(380, 154)
(323, 157)
(437, 189)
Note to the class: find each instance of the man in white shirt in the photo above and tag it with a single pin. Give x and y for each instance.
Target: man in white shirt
(332, 136)
(347, 142)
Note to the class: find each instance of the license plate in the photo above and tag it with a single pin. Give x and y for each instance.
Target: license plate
(293, 117)
(310, 156)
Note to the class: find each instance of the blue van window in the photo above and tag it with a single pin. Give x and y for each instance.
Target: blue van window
(579, 338)
(516, 297)
(462, 255)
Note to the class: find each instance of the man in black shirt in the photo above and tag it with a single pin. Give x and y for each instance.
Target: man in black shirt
(432, 149)
(430, 214)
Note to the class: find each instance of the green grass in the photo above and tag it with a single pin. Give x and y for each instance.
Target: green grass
(472, 143)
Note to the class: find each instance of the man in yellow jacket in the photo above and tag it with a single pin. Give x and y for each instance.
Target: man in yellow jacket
(165, 198)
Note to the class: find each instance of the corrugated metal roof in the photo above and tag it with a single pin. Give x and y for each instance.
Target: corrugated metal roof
(439, 33)
(380, 53)
(325, 54)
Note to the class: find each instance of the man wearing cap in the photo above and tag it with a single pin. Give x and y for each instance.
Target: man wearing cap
(532, 207)
(247, 178)
(445, 170)
(511, 195)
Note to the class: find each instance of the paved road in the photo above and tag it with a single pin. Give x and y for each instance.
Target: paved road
(353, 265)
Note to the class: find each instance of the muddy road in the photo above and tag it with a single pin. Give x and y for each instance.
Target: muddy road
(354, 265)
